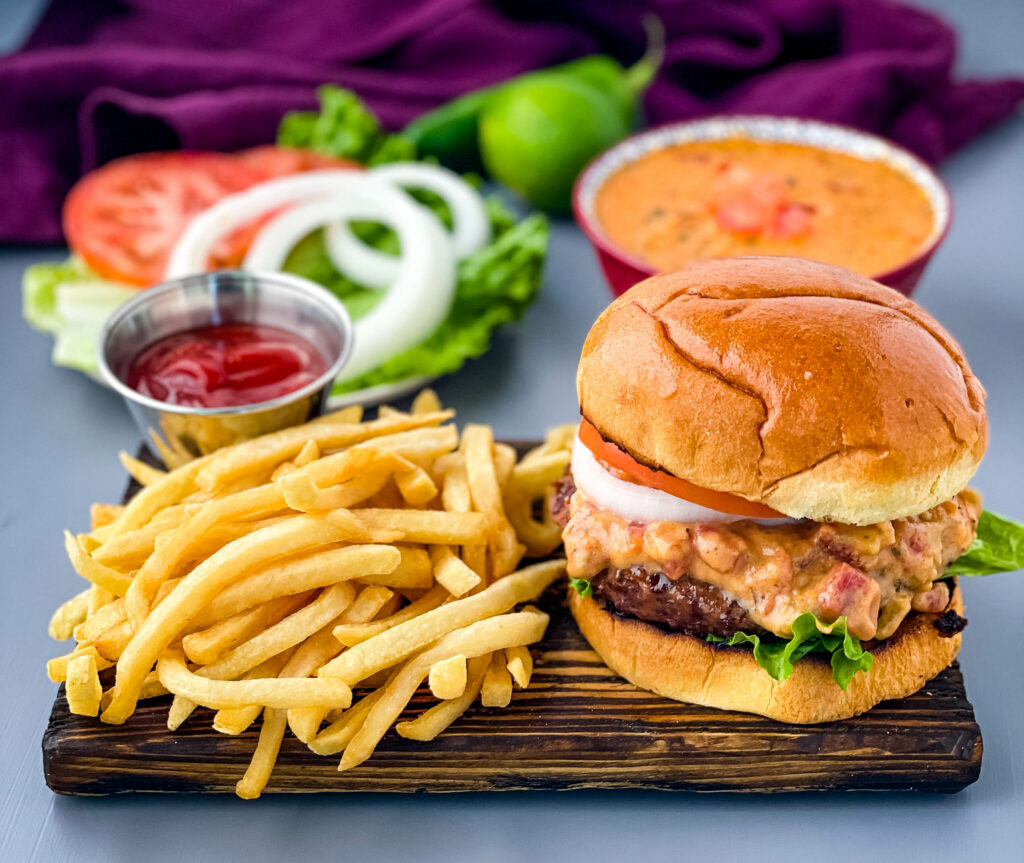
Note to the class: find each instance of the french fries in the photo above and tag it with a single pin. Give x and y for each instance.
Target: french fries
(273, 576)
(447, 678)
(497, 686)
(82, 686)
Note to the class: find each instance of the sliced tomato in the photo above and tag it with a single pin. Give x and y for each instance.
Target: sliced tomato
(124, 218)
(643, 475)
(272, 161)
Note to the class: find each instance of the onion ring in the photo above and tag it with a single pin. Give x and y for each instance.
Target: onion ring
(406, 316)
(420, 296)
(192, 250)
(640, 503)
(471, 226)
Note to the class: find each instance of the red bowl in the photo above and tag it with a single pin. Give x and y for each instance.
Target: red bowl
(623, 269)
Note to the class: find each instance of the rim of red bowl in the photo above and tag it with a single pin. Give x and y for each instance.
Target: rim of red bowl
(761, 127)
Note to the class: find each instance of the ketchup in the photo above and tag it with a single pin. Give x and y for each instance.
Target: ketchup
(228, 365)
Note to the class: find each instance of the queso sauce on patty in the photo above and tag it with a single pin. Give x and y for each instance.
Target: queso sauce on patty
(874, 575)
(710, 199)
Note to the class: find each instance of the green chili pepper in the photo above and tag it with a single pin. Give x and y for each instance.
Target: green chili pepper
(450, 133)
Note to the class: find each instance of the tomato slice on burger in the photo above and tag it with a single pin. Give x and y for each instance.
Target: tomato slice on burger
(720, 501)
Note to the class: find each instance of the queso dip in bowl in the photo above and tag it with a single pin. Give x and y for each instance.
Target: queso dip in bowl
(750, 185)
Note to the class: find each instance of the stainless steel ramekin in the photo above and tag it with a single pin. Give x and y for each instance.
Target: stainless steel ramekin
(181, 433)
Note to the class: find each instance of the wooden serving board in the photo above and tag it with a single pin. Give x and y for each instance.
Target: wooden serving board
(577, 726)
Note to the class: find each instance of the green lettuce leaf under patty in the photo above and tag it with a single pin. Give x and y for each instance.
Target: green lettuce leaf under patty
(777, 656)
(998, 547)
(581, 586)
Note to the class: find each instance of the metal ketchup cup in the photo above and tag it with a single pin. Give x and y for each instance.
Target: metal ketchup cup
(288, 302)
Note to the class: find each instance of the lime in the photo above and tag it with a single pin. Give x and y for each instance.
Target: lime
(535, 137)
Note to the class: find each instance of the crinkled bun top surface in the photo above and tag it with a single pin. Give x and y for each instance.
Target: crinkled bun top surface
(801, 385)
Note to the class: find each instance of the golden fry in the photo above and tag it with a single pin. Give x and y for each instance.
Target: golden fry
(275, 692)
(82, 686)
(144, 474)
(483, 636)
(384, 650)
(447, 678)
(451, 572)
(68, 615)
(207, 645)
(504, 457)
(477, 445)
(93, 571)
(304, 722)
(496, 690)
(432, 722)
(426, 402)
(263, 453)
(520, 665)
(165, 621)
(297, 575)
(57, 668)
(101, 514)
(339, 733)
(236, 720)
(427, 526)
(351, 633)
(412, 573)
(287, 632)
(257, 774)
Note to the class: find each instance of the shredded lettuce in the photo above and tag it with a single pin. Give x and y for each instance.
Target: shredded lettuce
(493, 286)
(998, 547)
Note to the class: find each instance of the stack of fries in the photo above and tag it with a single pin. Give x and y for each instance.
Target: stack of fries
(275, 576)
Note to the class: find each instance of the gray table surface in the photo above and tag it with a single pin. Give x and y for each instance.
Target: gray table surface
(60, 434)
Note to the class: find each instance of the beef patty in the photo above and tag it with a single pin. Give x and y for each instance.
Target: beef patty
(684, 604)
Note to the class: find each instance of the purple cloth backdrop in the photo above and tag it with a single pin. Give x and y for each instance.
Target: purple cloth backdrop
(100, 79)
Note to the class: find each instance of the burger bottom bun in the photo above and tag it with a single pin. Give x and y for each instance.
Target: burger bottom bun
(687, 668)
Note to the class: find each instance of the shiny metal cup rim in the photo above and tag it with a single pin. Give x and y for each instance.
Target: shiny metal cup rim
(341, 321)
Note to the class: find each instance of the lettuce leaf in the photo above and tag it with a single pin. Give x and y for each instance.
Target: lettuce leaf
(581, 586)
(343, 127)
(39, 291)
(70, 301)
(998, 547)
(777, 656)
(493, 286)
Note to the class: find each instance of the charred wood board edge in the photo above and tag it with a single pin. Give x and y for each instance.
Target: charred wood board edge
(578, 726)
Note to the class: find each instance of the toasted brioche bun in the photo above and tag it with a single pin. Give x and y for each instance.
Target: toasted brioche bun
(800, 385)
(687, 668)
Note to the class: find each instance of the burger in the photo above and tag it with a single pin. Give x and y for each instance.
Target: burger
(767, 500)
